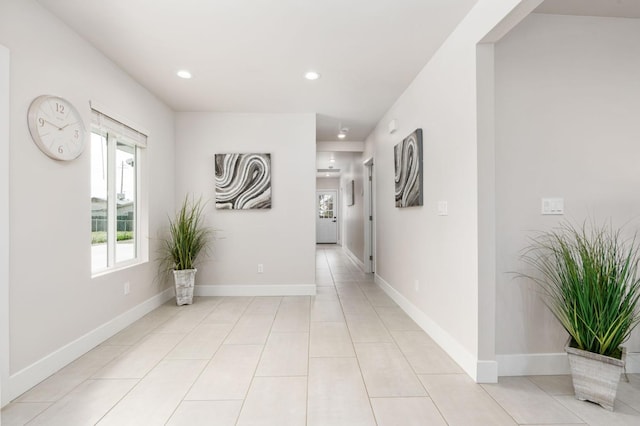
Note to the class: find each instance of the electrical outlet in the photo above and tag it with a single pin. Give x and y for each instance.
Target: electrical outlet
(127, 287)
(260, 268)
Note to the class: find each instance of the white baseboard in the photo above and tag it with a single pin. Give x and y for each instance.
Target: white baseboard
(532, 364)
(545, 364)
(353, 257)
(486, 371)
(479, 370)
(256, 290)
(30, 376)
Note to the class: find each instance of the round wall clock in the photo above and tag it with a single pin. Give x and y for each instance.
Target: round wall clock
(56, 127)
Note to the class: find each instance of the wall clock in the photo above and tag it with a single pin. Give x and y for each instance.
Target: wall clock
(56, 127)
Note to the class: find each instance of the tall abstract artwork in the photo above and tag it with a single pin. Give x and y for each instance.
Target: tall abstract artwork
(243, 181)
(408, 170)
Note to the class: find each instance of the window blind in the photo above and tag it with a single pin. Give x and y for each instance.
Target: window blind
(110, 124)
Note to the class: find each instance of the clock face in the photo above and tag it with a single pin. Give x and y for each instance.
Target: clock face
(56, 127)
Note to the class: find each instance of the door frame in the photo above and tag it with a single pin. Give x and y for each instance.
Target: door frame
(369, 217)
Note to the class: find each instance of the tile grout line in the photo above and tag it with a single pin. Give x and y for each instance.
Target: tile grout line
(394, 341)
(158, 363)
(310, 323)
(306, 411)
(264, 345)
(442, 416)
(129, 347)
(350, 283)
(215, 307)
(366, 389)
(138, 379)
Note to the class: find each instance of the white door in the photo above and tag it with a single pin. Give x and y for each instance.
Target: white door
(326, 217)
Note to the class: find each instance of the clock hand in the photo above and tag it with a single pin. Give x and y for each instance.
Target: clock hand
(54, 125)
(68, 124)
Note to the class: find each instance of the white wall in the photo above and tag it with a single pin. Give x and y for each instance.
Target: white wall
(353, 216)
(53, 299)
(567, 108)
(281, 238)
(328, 183)
(4, 224)
(415, 244)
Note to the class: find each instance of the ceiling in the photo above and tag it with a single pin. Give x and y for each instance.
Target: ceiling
(603, 8)
(333, 164)
(251, 55)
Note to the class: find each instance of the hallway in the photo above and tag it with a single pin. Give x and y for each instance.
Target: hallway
(347, 356)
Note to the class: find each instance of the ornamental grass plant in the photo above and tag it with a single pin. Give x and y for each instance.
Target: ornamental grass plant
(188, 236)
(589, 280)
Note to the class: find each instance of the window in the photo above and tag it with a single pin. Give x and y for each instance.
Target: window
(325, 204)
(115, 188)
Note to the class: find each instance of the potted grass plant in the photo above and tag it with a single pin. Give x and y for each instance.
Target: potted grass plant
(187, 240)
(589, 280)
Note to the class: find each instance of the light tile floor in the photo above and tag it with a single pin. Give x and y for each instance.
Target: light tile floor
(348, 356)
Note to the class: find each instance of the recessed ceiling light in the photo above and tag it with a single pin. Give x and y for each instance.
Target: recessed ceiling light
(342, 132)
(312, 75)
(184, 74)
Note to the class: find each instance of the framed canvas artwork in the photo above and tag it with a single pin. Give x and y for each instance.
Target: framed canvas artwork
(351, 198)
(408, 170)
(243, 181)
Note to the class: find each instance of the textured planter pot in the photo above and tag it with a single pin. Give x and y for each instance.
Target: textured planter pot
(185, 281)
(595, 377)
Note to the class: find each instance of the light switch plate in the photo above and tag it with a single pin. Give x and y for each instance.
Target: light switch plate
(443, 208)
(553, 206)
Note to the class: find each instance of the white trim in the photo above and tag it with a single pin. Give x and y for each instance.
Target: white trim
(533, 364)
(545, 364)
(486, 209)
(482, 371)
(353, 257)
(487, 371)
(30, 376)
(368, 211)
(523, 9)
(256, 290)
(5, 111)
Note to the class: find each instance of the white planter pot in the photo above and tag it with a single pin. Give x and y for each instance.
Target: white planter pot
(595, 377)
(185, 280)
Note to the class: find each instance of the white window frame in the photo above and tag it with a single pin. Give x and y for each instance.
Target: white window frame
(118, 130)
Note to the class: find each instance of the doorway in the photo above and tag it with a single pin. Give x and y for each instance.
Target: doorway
(327, 217)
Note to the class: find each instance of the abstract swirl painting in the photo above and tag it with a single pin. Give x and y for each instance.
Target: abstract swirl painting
(243, 181)
(408, 168)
